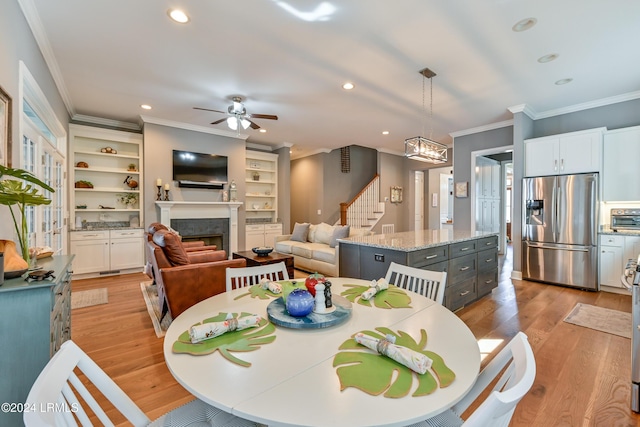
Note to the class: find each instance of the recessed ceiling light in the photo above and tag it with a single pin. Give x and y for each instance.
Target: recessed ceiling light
(524, 25)
(145, 107)
(563, 81)
(548, 58)
(178, 16)
(262, 130)
(348, 86)
(385, 132)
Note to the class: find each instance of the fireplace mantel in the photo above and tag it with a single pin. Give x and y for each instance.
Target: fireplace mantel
(185, 210)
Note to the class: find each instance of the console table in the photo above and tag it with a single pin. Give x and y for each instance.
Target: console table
(35, 319)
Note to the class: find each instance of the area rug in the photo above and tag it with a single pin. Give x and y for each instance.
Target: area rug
(601, 319)
(150, 294)
(80, 299)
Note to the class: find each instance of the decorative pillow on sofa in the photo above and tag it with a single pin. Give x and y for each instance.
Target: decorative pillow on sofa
(324, 233)
(311, 237)
(171, 246)
(339, 232)
(300, 232)
(155, 226)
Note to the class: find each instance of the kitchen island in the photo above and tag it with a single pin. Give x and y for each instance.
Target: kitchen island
(469, 258)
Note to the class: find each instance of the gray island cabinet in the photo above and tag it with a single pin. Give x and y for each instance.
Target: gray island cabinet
(469, 258)
(35, 319)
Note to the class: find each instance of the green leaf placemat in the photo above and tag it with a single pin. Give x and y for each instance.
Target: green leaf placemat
(393, 297)
(256, 291)
(374, 374)
(249, 339)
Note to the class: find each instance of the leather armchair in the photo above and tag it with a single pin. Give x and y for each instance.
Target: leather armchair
(181, 286)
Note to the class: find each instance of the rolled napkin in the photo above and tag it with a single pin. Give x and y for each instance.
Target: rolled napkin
(413, 360)
(375, 287)
(207, 331)
(274, 287)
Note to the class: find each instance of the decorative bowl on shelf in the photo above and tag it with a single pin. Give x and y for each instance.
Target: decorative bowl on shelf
(262, 250)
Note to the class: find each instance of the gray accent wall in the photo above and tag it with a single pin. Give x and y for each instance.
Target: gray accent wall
(18, 44)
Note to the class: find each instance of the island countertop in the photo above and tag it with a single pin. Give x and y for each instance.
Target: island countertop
(409, 241)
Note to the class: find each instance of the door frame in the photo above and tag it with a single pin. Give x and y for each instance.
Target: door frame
(502, 239)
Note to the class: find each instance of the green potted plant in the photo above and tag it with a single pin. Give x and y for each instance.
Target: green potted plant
(21, 193)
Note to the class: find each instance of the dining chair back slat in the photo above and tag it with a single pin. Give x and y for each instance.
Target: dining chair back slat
(249, 276)
(65, 381)
(430, 284)
(516, 365)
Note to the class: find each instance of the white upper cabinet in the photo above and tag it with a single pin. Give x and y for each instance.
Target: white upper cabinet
(620, 174)
(569, 153)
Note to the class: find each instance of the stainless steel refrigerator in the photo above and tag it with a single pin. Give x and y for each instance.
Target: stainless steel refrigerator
(559, 230)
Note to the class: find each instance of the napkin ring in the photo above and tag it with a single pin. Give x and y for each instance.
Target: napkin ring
(382, 346)
(233, 324)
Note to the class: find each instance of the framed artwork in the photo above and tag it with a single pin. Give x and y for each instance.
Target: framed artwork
(462, 189)
(396, 194)
(5, 128)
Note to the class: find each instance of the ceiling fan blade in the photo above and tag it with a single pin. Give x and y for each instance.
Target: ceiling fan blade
(263, 116)
(208, 109)
(253, 125)
(218, 121)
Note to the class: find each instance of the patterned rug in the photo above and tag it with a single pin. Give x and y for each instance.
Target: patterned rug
(601, 319)
(150, 294)
(80, 299)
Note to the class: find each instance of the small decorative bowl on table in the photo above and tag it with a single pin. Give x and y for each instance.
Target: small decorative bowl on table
(262, 250)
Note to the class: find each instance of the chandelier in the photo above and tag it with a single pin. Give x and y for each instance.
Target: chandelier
(419, 147)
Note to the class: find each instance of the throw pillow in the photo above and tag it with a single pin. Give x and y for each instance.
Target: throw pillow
(300, 232)
(324, 232)
(339, 232)
(312, 233)
(155, 226)
(171, 246)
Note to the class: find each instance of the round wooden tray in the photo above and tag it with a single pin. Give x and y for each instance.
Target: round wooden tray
(278, 315)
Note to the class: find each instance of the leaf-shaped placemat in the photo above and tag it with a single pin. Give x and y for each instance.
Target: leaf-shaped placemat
(373, 373)
(393, 297)
(256, 291)
(237, 341)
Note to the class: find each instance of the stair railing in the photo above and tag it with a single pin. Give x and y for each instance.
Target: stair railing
(362, 208)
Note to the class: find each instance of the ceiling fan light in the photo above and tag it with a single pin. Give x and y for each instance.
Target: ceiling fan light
(245, 123)
(232, 122)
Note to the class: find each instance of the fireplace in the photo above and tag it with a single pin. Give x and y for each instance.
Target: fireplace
(213, 231)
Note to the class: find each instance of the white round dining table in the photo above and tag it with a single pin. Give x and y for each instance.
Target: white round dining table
(292, 381)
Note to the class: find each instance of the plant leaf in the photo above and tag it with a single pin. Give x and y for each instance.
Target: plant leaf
(393, 297)
(375, 374)
(25, 175)
(237, 341)
(14, 192)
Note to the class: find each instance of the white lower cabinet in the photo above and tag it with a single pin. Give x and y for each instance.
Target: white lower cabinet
(261, 235)
(615, 251)
(107, 251)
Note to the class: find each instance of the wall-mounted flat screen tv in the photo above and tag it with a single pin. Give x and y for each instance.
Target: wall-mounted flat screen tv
(199, 170)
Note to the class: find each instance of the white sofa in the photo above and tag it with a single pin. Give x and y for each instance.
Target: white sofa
(315, 254)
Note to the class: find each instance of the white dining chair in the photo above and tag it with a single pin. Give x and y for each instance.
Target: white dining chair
(60, 398)
(427, 283)
(248, 276)
(518, 363)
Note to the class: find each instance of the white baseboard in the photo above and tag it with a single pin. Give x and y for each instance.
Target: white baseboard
(516, 275)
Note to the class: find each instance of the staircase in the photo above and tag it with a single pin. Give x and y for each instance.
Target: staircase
(365, 210)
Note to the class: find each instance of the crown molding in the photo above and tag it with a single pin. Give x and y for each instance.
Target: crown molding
(262, 147)
(523, 108)
(630, 96)
(82, 118)
(37, 29)
(196, 128)
(388, 151)
(484, 128)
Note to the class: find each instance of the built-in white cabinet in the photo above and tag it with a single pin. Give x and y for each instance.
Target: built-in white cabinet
(103, 164)
(488, 192)
(569, 153)
(261, 235)
(261, 186)
(615, 251)
(620, 174)
(107, 251)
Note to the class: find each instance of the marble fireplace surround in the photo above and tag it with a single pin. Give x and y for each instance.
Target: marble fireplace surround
(188, 210)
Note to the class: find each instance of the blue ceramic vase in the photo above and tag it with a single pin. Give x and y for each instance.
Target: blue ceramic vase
(299, 303)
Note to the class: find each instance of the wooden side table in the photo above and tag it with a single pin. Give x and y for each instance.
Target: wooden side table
(254, 260)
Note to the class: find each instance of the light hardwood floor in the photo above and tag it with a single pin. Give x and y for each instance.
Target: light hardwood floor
(583, 376)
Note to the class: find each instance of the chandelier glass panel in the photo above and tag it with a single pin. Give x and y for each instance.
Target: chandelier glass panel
(419, 147)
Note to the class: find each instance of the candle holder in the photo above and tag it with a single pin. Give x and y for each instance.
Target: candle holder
(166, 195)
(159, 195)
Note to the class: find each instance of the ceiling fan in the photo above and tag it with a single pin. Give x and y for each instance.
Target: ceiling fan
(238, 116)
